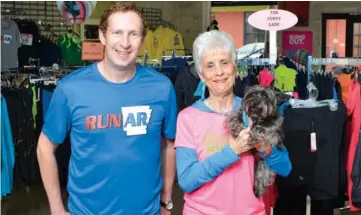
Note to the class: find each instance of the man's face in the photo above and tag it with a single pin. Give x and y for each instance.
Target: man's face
(123, 39)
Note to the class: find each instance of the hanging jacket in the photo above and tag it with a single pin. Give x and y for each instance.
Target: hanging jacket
(185, 85)
(356, 177)
(353, 124)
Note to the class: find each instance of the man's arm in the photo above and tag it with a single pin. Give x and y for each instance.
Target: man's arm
(57, 123)
(168, 150)
(169, 170)
(49, 174)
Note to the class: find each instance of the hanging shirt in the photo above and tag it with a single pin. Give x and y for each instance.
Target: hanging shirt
(165, 40)
(352, 130)
(30, 41)
(265, 78)
(50, 52)
(345, 82)
(7, 151)
(285, 78)
(148, 45)
(70, 49)
(10, 42)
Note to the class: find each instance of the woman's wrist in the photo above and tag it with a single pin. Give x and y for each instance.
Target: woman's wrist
(264, 151)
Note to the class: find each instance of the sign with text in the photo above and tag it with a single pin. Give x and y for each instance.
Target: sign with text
(297, 40)
(92, 50)
(273, 20)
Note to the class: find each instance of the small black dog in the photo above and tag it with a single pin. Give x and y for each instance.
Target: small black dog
(260, 105)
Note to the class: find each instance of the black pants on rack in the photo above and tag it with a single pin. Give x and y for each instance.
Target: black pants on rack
(294, 203)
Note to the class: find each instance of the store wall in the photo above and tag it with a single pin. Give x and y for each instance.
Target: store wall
(315, 20)
(233, 24)
(99, 9)
(190, 18)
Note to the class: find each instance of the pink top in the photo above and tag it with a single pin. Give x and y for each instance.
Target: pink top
(230, 193)
(265, 78)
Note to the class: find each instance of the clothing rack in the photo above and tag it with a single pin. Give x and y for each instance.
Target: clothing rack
(254, 62)
(330, 61)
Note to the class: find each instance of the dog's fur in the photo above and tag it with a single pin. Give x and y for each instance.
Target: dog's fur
(261, 106)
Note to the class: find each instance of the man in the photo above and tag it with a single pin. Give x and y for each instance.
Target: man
(116, 112)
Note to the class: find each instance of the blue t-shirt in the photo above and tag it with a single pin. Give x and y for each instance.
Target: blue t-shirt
(115, 131)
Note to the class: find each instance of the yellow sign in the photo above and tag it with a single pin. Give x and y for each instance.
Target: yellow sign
(92, 50)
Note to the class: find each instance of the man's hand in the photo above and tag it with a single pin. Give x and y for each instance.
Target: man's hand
(163, 211)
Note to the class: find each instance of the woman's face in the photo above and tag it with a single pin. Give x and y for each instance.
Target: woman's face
(218, 72)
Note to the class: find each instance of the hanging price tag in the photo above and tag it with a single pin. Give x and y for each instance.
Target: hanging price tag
(26, 39)
(313, 142)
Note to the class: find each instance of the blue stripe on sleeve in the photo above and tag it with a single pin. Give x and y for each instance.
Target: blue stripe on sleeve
(193, 173)
(279, 161)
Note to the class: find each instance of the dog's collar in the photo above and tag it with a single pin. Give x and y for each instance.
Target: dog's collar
(245, 119)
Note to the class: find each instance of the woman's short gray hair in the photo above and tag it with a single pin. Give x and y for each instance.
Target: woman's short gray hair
(212, 41)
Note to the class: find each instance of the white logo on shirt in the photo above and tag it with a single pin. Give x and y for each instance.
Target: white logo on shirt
(7, 38)
(136, 119)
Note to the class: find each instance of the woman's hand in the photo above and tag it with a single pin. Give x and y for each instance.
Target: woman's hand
(263, 147)
(240, 144)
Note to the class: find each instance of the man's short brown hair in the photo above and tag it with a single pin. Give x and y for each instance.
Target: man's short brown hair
(121, 7)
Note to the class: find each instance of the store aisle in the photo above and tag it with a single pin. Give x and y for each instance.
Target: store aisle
(36, 203)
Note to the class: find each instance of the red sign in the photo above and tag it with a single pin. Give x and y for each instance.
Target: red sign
(297, 40)
(92, 50)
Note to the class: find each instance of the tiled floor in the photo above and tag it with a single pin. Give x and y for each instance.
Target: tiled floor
(35, 202)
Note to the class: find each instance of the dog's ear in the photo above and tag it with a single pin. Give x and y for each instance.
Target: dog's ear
(235, 123)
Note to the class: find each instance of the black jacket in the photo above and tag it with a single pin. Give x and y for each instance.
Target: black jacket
(185, 85)
(356, 176)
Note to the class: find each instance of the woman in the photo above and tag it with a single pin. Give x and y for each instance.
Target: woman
(215, 170)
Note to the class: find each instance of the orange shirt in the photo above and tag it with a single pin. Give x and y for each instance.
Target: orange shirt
(345, 82)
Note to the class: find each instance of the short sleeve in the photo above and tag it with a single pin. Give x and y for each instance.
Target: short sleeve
(57, 118)
(170, 121)
(184, 137)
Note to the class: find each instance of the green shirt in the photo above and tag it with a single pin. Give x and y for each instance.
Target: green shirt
(285, 78)
(70, 49)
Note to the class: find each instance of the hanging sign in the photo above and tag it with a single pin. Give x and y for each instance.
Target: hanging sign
(273, 20)
(297, 40)
(76, 12)
(92, 50)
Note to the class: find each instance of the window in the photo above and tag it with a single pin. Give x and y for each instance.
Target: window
(251, 34)
(356, 49)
